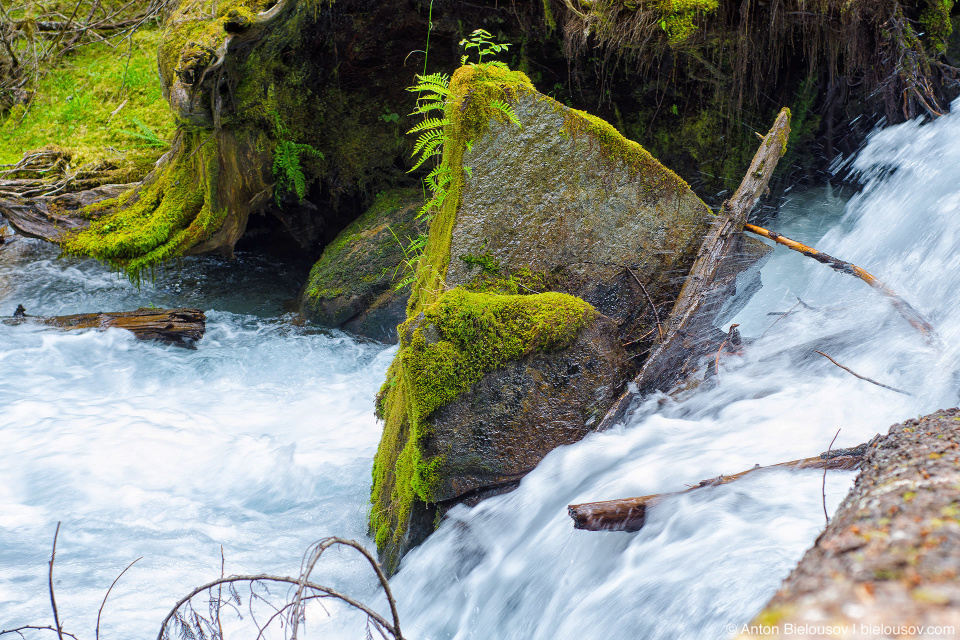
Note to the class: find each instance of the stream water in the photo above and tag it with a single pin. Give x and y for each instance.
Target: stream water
(258, 443)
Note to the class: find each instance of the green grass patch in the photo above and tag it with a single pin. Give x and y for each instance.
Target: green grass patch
(75, 106)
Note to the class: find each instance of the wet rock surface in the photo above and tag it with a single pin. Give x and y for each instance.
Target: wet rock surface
(352, 286)
(890, 557)
(498, 430)
(554, 197)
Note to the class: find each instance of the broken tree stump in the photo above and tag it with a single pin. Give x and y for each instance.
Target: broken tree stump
(181, 327)
(890, 556)
(712, 280)
(629, 514)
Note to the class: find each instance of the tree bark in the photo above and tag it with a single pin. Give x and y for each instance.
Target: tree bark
(181, 327)
(711, 281)
(890, 556)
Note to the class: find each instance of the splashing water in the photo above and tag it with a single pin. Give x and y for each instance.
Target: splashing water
(261, 440)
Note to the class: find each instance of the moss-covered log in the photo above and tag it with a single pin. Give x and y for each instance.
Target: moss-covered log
(890, 557)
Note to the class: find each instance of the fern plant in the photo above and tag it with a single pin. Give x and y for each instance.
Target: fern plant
(433, 95)
(287, 169)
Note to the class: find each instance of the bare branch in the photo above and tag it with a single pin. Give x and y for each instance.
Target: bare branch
(107, 594)
(53, 600)
(871, 380)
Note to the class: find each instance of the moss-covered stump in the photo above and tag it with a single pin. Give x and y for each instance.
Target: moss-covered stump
(353, 285)
(533, 274)
(890, 557)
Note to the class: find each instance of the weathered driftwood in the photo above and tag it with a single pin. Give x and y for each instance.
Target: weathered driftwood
(182, 327)
(908, 312)
(629, 514)
(50, 217)
(890, 556)
(712, 280)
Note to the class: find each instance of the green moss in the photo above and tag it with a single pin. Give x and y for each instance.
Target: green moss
(658, 180)
(174, 212)
(334, 272)
(935, 20)
(678, 18)
(444, 351)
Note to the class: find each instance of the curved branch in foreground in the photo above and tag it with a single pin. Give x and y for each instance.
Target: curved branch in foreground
(629, 514)
(312, 556)
(909, 313)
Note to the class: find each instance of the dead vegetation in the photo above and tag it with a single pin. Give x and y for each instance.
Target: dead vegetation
(892, 50)
(198, 615)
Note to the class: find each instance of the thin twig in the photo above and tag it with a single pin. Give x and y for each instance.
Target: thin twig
(53, 601)
(285, 580)
(871, 380)
(656, 315)
(799, 302)
(17, 630)
(824, 486)
(107, 595)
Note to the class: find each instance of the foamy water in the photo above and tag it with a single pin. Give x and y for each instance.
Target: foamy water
(261, 440)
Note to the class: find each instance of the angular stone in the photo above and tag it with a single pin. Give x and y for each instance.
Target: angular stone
(561, 204)
(497, 431)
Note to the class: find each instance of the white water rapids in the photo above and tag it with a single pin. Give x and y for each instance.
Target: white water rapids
(261, 441)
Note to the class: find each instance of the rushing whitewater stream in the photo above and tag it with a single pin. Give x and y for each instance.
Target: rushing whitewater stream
(248, 449)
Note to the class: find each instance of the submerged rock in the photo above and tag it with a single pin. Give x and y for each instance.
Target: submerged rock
(533, 273)
(353, 285)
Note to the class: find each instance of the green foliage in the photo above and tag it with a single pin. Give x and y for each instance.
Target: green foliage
(412, 252)
(678, 17)
(483, 42)
(287, 170)
(145, 134)
(79, 104)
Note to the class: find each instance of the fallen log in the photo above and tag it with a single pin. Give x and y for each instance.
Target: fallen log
(889, 559)
(908, 312)
(629, 514)
(712, 281)
(52, 217)
(181, 327)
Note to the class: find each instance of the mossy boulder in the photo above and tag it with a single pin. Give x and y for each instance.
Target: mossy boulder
(563, 195)
(538, 368)
(530, 279)
(354, 284)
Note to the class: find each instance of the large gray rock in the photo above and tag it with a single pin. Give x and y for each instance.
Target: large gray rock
(566, 195)
(353, 285)
(540, 219)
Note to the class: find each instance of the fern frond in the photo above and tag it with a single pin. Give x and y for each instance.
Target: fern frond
(427, 107)
(440, 88)
(430, 123)
(426, 138)
(506, 110)
(430, 150)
